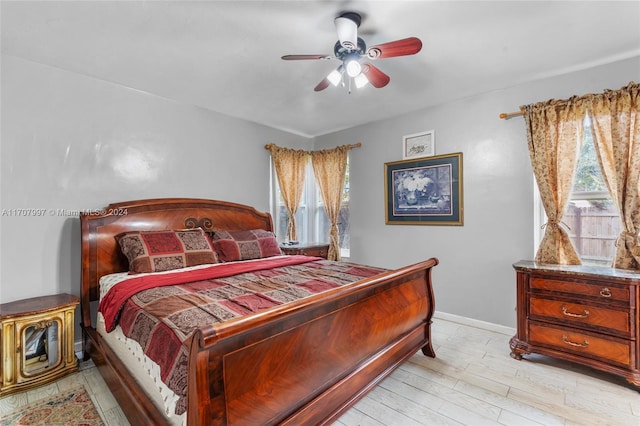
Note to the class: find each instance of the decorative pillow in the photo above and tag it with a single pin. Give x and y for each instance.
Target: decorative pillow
(245, 245)
(156, 251)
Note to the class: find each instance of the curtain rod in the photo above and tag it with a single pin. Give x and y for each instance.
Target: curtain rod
(355, 145)
(508, 115)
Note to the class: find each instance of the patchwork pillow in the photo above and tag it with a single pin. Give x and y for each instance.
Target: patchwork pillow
(245, 245)
(156, 251)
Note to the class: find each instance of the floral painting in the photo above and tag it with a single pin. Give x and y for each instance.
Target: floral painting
(427, 191)
(422, 190)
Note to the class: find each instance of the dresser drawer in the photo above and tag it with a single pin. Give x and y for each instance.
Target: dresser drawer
(609, 349)
(582, 315)
(601, 291)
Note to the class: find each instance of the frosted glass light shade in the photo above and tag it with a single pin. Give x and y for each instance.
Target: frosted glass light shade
(347, 32)
(361, 80)
(335, 77)
(353, 68)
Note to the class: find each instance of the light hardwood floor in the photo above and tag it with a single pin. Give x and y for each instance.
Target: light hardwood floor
(472, 381)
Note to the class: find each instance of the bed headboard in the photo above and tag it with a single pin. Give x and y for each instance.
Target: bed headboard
(101, 254)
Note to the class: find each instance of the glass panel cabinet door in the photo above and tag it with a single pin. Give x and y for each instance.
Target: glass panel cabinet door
(41, 343)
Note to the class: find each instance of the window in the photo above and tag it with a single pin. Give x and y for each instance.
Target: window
(311, 219)
(592, 220)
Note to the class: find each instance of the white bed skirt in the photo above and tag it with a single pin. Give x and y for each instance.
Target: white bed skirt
(143, 369)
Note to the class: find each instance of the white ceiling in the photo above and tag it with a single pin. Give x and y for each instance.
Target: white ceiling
(225, 55)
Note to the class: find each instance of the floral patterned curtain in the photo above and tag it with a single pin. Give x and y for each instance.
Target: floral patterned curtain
(616, 122)
(290, 165)
(329, 167)
(554, 134)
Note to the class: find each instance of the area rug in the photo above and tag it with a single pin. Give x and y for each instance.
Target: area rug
(70, 407)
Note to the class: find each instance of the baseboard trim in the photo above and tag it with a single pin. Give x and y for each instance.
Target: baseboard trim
(77, 347)
(502, 329)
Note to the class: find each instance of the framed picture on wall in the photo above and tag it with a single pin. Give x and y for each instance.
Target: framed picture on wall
(426, 191)
(419, 145)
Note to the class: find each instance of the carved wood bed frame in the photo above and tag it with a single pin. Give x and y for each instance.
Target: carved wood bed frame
(305, 362)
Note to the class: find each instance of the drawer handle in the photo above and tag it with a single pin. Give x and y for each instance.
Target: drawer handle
(566, 312)
(584, 344)
(605, 292)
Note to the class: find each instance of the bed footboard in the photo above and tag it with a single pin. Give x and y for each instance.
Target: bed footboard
(308, 362)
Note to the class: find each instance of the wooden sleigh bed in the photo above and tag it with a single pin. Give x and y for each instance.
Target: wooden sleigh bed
(303, 362)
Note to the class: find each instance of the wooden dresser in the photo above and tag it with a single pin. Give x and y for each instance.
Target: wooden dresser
(585, 314)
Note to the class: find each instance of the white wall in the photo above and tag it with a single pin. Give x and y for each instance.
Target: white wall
(475, 278)
(72, 142)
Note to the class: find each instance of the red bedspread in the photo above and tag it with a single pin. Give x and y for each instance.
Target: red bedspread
(162, 312)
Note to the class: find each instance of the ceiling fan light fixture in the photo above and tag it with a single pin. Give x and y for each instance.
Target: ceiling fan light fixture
(335, 76)
(347, 29)
(353, 55)
(361, 80)
(353, 67)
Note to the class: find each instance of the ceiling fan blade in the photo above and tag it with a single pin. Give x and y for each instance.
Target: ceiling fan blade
(304, 57)
(406, 46)
(376, 77)
(322, 85)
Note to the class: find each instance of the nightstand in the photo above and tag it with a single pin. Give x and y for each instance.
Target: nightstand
(310, 249)
(36, 341)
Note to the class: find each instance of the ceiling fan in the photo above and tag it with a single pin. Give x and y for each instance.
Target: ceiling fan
(352, 51)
